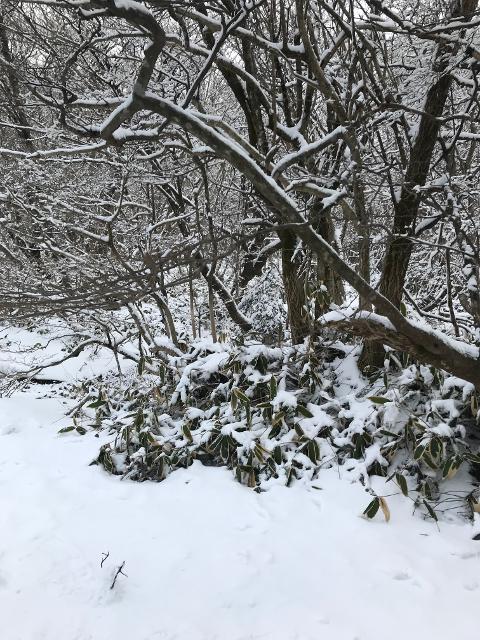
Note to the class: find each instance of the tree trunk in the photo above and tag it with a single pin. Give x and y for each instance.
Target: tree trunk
(325, 273)
(294, 285)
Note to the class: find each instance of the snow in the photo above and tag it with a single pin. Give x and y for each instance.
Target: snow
(308, 149)
(284, 399)
(463, 348)
(338, 315)
(132, 5)
(207, 558)
(453, 382)
(22, 350)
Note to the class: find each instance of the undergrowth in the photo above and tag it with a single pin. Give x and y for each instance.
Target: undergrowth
(279, 415)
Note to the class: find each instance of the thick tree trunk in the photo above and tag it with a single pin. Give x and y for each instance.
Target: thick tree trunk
(12, 84)
(325, 274)
(294, 285)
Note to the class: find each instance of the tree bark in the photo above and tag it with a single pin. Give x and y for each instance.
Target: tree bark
(294, 285)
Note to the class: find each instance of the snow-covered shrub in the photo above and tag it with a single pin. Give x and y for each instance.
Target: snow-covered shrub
(262, 411)
(279, 414)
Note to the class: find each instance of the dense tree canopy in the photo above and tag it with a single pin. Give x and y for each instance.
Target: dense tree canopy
(149, 146)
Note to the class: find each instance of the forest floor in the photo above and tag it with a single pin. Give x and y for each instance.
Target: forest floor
(206, 558)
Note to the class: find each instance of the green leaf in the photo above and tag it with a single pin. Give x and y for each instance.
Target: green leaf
(430, 510)
(273, 387)
(291, 474)
(419, 451)
(427, 490)
(139, 419)
(259, 453)
(274, 431)
(360, 445)
(402, 483)
(451, 466)
(81, 430)
(475, 459)
(241, 396)
(277, 455)
(66, 429)
(390, 434)
(272, 466)
(379, 400)
(96, 404)
(278, 418)
(261, 364)
(187, 433)
(429, 462)
(446, 467)
(248, 415)
(311, 450)
(299, 430)
(304, 411)
(372, 509)
(435, 447)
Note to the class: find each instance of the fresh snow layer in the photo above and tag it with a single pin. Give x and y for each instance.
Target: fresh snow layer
(22, 350)
(209, 559)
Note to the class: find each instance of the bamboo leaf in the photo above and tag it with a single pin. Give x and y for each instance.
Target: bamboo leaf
(299, 430)
(304, 411)
(241, 396)
(379, 400)
(273, 387)
(96, 404)
(372, 509)
(277, 455)
(278, 418)
(187, 433)
(419, 451)
(402, 483)
(430, 510)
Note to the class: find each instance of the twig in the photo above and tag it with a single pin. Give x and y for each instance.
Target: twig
(119, 572)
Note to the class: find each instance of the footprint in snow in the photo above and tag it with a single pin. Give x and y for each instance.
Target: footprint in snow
(402, 576)
(471, 586)
(9, 430)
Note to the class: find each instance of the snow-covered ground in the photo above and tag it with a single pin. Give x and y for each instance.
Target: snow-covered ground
(23, 350)
(209, 559)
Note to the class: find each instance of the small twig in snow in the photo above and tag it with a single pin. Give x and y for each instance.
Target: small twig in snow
(119, 572)
(104, 557)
